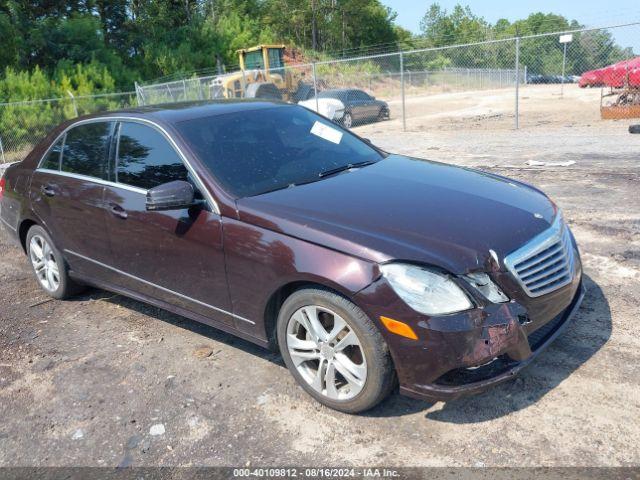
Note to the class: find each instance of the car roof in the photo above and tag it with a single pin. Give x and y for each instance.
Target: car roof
(341, 90)
(172, 113)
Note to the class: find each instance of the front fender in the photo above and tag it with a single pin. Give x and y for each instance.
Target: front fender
(260, 262)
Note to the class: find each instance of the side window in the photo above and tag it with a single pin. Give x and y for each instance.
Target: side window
(359, 95)
(85, 150)
(146, 159)
(52, 159)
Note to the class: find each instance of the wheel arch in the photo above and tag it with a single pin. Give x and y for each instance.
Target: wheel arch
(23, 229)
(279, 296)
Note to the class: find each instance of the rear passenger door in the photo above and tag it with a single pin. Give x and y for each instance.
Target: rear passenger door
(174, 256)
(67, 191)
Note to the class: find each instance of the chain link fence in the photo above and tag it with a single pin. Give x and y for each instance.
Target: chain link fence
(524, 82)
(24, 124)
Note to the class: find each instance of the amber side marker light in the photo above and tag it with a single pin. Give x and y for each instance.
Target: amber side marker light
(399, 328)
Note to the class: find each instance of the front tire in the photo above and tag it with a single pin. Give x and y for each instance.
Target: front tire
(49, 266)
(347, 120)
(334, 351)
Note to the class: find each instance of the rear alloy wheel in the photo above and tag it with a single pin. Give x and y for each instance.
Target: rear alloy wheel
(347, 120)
(334, 351)
(44, 263)
(48, 265)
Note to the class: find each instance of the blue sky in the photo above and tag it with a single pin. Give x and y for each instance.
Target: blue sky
(587, 12)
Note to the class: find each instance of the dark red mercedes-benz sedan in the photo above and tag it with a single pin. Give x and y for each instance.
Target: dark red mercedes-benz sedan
(365, 269)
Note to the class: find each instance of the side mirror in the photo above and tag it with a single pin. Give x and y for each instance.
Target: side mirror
(174, 195)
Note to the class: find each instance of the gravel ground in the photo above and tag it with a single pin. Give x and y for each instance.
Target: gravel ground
(103, 381)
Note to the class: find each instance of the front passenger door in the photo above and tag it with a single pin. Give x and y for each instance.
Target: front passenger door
(174, 256)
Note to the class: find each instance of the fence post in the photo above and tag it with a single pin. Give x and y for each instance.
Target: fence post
(315, 85)
(138, 94)
(2, 151)
(564, 65)
(184, 89)
(517, 107)
(244, 84)
(404, 112)
(170, 92)
(73, 102)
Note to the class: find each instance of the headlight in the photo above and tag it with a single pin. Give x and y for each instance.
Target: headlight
(486, 287)
(424, 290)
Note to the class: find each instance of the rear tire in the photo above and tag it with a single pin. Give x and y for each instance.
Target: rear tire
(634, 128)
(334, 351)
(48, 265)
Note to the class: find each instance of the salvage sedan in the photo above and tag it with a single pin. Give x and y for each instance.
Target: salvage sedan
(348, 106)
(365, 269)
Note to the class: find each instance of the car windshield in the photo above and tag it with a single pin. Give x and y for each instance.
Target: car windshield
(256, 151)
(339, 94)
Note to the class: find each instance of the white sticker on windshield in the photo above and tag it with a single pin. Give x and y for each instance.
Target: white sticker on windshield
(326, 132)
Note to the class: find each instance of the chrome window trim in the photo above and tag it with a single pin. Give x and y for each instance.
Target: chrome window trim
(95, 180)
(210, 200)
(159, 287)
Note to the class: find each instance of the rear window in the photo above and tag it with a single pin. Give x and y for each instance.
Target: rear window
(52, 158)
(254, 151)
(85, 150)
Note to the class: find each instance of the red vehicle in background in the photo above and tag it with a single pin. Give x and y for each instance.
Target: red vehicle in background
(616, 75)
(592, 78)
(634, 77)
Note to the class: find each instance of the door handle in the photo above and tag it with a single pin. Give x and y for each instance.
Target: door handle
(48, 190)
(118, 211)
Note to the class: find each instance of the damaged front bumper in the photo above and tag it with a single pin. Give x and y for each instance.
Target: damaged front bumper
(468, 352)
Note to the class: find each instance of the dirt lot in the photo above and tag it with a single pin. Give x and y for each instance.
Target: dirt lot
(540, 106)
(88, 381)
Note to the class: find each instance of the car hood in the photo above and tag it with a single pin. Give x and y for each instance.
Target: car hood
(411, 210)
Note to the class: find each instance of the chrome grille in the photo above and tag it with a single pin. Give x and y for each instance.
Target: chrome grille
(545, 263)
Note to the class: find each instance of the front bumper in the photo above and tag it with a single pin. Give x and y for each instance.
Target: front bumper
(468, 352)
(499, 370)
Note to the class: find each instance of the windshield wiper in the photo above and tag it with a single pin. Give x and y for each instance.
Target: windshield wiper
(326, 173)
(348, 166)
(286, 186)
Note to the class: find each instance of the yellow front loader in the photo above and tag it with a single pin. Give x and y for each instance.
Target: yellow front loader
(263, 74)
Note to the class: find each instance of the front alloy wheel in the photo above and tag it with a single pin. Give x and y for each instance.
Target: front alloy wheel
(347, 120)
(334, 351)
(326, 352)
